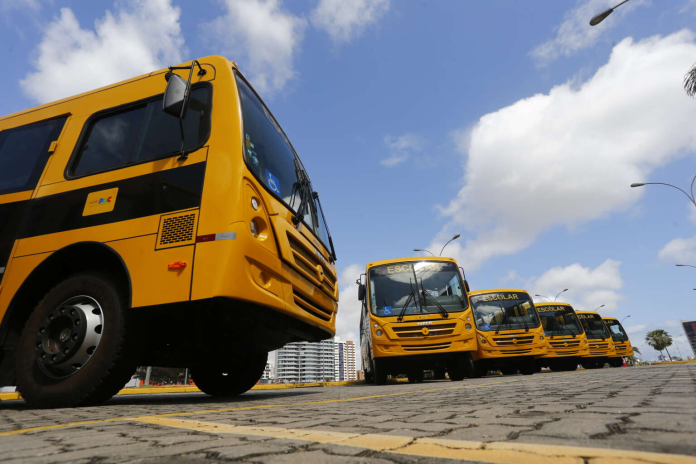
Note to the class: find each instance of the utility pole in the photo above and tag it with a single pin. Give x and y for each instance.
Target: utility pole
(147, 375)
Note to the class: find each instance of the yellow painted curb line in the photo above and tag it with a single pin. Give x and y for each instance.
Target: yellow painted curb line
(495, 452)
(154, 390)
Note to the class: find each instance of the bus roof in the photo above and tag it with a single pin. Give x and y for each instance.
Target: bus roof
(498, 290)
(589, 312)
(213, 58)
(609, 318)
(402, 260)
(553, 303)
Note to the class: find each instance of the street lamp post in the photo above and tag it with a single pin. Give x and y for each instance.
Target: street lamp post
(564, 290)
(684, 265)
(599, 307)
(690, 197)
(599, 17)
(624, 319)
(453, 238)
(542, 296)
(418, 249)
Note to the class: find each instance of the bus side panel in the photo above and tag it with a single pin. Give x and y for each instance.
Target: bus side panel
(18, 271)
(153, 281)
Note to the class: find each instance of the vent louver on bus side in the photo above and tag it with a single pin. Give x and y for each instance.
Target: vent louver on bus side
(177, 229)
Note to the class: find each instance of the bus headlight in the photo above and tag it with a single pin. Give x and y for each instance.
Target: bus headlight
(378, 333)
(468, 327)
(376, 325)
(255, 204)
(585, 342)
(541, 337)
(483, 341)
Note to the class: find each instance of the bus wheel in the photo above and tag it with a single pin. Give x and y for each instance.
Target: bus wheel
(233, 379)
(474, 369)
(508, 370)
(571, 366)
(528, 368)
(457, 367)
(378, 373)
(616, 362)
(73, 350)
(415, 377)
(439, 374)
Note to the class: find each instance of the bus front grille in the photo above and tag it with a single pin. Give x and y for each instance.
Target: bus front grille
(411, 331)
(307, 263)
(311, 307)
(513, 341)
(524, 351)
(565, 344)
(439, 346)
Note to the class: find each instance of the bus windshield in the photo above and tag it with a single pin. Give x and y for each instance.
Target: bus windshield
(504, 311)
(421, 287)
(594, 326)
(559, 320)
(270, 156)
(617, 331)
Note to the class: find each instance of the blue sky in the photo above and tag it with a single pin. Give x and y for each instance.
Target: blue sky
(513, 123)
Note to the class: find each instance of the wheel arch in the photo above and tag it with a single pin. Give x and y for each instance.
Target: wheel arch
(74, 258)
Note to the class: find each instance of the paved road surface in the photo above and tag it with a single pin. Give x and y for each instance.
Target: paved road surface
(647, 413)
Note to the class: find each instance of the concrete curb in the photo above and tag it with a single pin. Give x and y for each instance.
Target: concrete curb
(158, 390)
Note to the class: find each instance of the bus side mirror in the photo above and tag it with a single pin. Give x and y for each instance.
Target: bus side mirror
(175, 95)
(466, 286)
(361, 292)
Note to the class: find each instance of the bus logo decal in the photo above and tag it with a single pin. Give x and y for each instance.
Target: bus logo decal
(103, 201)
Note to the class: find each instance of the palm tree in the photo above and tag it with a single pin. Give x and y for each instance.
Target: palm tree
(659, 340)
(690, 82)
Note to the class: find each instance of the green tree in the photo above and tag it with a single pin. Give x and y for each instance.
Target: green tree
(659, 339)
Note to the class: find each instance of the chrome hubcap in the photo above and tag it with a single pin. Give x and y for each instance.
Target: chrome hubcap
(69, 336)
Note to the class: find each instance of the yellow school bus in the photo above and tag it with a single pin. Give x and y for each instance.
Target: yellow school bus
(165, 220)
(415, 317)
(621, 342)
(599, 340)
(566, 341)
(508, 330)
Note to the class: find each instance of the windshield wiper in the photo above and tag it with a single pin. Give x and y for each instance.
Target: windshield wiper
(497, 328)
(427, 294)
(411, 296)
(304, 189)
(326, 226)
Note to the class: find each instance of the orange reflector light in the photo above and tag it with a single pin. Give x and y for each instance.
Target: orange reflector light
(177, 265)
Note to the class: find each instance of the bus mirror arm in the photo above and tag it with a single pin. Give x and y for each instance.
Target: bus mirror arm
(176, 97)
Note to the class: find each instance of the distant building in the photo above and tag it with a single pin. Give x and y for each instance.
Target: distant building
(268, 372)
(690, 332)
(325, 361)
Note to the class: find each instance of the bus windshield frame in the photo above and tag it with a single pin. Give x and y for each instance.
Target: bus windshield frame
(594, 333)
(273, 161)
(560, 320)
(392, 286)
(618, 333)
(497, 311)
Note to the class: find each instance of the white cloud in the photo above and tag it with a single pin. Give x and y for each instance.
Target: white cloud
(401, 148)
(635, 329)
(348, 319)
(587, 288)
(568, 157)
(679, 251)
(575, 32)
(262, 37)
(139, 37)
(8, 5)
(671, 323)
(346, 20)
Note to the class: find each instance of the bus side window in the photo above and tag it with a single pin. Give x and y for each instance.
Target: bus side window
(24, 152)
(142, 132)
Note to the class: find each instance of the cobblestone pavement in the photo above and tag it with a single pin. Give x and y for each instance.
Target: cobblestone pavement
(513, 419)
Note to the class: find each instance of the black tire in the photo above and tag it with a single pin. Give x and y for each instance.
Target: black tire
(571, 366)
(232, 379)
(416, 377)
(457, 367)
(105, 366)
(508, 370)
(378, 373)
(528, 368)
(439, 374)
(474, 369)
(618, 362)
